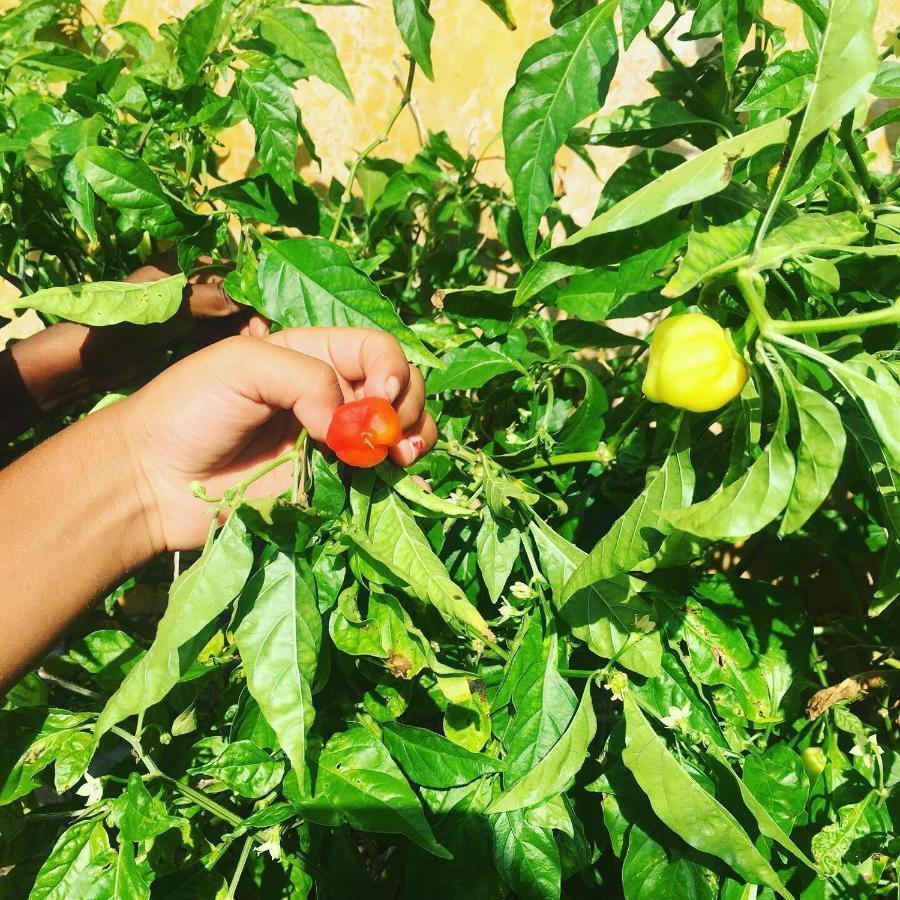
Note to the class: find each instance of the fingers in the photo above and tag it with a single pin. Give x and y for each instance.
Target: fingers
(256, 326)
(365, 355)
(284, 379)
(417, 441)
(411, 402)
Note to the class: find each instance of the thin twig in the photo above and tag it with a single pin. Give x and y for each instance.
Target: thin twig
(380, 139)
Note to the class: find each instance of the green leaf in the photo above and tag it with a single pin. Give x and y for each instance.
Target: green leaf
(279, 637)
(819, 454)
(313, 282)
(776, 777)
(197, 597)
(245, 769)
(260, 199)
(78, 859)
(654, 122)
(396, 541)
(718, 250)
(751, 502)
(129, 185)
(560, 80)
(685, 807)
(431, 760)
(497, 547)
(561, 764)
(602, 614)
(638, 533)
(358, 783)
(878, 395)
(542, 700)
(636, 16)
(831, 844)
(472, 366)
(502, 10)
(526, 856)
(73, 759)
(416, 27)
(200, 33)
(296, 35)
(34, 737)
(273, 114)
(847, 65)
(411, 490)
(701, 176)
(782, 84)
(651, 871)
(137, 817)
(109, 302)
(128, 883)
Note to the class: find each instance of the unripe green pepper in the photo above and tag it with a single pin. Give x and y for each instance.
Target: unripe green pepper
(693, 364)
(814, 761)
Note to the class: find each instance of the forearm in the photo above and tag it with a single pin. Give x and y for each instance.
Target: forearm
(39, 374)
(75, 526)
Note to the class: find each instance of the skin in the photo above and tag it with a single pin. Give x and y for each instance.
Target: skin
(68, 361)
(109, 493)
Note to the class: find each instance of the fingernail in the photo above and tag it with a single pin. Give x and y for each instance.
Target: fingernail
(411, 448)
(392, 387)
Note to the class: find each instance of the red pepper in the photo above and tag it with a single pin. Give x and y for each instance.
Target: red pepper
(361, 432)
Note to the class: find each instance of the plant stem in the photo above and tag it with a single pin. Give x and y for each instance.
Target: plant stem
(576, 673)
(752, 287)
(889, 316)
(44, 675)
(452, 448)
(198, 797)
(242, 861)
(566, 459)
(380, 139)
(845, 133)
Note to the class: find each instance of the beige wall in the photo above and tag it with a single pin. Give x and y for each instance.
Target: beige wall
(475, 59)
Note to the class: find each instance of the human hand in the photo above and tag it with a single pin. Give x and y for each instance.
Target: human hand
(226, 411)
(67, 361)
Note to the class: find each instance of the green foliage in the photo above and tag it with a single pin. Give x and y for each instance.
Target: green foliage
(575, 662)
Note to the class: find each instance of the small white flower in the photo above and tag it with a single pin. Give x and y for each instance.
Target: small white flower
(869, 745)
(478, 646)
(273, 848)
(520, 590)
(457, 497)
(524, 415)
(644, 623)
(677, 715)
(91, 790)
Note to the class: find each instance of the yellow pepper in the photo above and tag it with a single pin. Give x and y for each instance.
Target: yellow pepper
(693, 364)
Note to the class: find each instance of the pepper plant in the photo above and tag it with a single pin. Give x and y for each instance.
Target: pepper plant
(593, 645)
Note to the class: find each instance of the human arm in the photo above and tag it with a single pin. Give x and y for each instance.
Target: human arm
(101, 498)
(68, 361)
